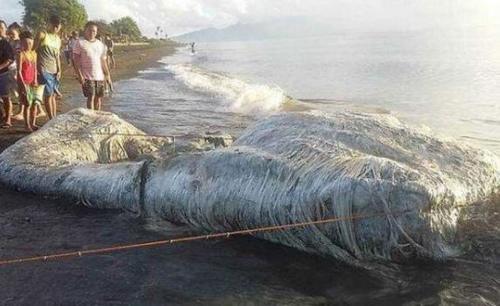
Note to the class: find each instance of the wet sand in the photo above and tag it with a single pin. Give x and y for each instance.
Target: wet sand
(238, 271)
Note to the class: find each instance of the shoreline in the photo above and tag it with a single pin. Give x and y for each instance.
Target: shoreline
(130, 60)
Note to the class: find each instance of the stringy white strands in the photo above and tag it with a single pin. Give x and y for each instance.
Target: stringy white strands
(292, 168)
(289, 168)
(79, 157)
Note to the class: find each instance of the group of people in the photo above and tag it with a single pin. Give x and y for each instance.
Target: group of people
(30, 68)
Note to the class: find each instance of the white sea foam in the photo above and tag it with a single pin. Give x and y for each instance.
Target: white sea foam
(238, 96)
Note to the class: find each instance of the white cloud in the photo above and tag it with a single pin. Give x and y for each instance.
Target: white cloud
(11, 11)
(178, 16)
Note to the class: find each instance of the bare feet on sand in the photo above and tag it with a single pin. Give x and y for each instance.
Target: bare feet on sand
(41, 113)
(18, 117)
(31, 129)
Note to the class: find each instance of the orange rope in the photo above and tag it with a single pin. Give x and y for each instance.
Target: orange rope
(188, 239)
(133, 135)
(174, 137)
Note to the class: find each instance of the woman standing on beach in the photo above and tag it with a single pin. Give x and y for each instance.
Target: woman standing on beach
(48, 46)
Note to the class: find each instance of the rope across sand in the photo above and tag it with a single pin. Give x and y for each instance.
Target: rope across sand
(158, 243)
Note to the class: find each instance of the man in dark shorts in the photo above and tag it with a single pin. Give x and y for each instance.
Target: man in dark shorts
(7, 58)
(91, 67)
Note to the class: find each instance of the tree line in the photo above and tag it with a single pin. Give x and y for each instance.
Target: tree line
(74, 16)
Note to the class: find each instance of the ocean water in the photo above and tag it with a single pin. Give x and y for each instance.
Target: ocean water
(448, 81)
(445, 80)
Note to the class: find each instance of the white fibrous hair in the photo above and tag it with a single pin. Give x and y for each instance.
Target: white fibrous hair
(286, 169)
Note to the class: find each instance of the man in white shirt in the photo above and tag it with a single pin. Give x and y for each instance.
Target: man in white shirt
(90, 63)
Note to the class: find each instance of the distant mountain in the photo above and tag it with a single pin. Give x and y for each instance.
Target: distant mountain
(293, 27)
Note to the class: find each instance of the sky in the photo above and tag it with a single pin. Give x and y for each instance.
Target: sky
(182, 16)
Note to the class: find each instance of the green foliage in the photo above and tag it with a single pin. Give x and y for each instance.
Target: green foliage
(74, 17)
(37, 13)
(126, 26)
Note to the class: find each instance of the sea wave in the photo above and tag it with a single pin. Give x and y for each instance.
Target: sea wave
(238, 95)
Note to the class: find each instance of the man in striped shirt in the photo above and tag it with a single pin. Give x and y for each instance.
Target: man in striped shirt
(91, 67)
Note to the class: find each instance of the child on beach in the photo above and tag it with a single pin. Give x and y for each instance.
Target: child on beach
(13, 32)
(31, 93)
